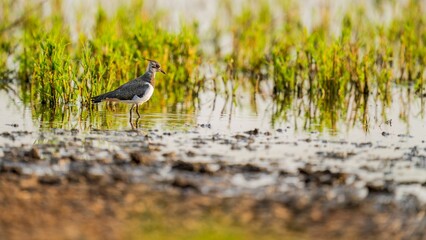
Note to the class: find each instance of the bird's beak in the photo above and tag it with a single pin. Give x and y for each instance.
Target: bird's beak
(161, 70)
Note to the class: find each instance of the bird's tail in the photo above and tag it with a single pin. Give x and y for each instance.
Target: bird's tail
(99, 98)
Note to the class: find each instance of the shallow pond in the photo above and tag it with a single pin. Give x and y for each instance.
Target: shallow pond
(384, 150)
(403, 115)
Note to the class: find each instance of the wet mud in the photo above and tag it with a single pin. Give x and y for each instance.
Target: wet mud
(113, 184)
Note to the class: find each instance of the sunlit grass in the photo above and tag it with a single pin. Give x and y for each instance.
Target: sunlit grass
(365, 58)
(62, 72)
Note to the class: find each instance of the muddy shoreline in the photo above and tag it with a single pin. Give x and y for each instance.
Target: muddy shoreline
(114, 179)
(115, 211)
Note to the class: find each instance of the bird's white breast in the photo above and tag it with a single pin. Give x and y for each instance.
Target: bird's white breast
(145, 97)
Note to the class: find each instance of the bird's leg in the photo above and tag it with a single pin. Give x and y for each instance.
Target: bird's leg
(137, 122)
(137, 111)
(131, 109)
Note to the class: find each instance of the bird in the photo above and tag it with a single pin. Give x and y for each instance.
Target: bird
(136, 91)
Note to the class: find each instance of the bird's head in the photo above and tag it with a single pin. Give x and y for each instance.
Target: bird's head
(154, 66)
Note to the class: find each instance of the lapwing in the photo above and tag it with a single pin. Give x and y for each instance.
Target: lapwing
(136, 91)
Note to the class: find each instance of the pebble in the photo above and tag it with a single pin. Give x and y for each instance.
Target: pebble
(170, 155)
(49, 180)
(34, 153)
(11, 168)
(184, 183)
(141, 158)
(252, 132)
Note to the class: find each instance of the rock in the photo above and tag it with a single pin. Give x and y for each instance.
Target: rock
(141, 158)
(181, 182)
(185, 166)
(240, 137)
(49, 180)
(190, 153)
(11, 168)
(34, 153)
(195, 167)
(8, 136)
(121, 157)
(170, 155)
(207, 125)
(76, 157)
(252, 132)
(252, 168)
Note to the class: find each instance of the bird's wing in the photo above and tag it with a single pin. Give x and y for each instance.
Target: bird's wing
(130, 83)
(132, 88)
(126, 91)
